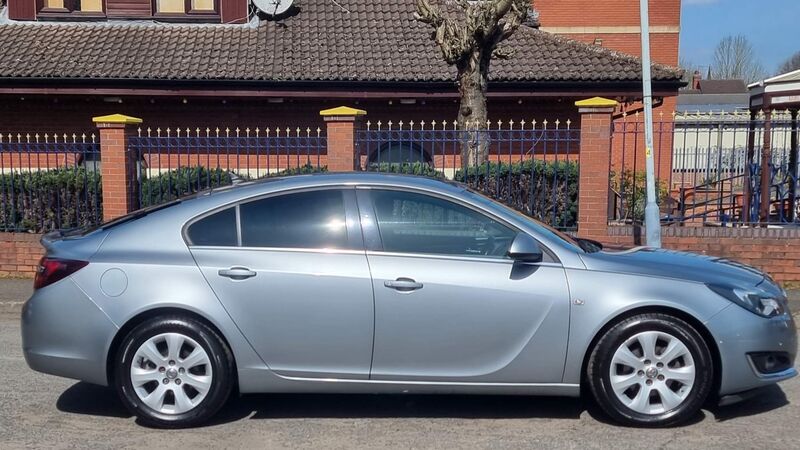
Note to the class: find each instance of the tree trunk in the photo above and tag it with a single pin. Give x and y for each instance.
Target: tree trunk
(473, 73)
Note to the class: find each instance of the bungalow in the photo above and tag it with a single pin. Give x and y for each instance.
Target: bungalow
(62, 65)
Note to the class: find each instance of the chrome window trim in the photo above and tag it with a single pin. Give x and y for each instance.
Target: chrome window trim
(506, 261)
(321, 251)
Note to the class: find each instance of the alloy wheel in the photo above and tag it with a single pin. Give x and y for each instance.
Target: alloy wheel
(171, 373)
(652, 372)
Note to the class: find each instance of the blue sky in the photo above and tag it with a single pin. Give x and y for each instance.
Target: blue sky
(771, 26)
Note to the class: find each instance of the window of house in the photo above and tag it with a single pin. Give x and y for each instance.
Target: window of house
(218, 229)
(416, 223)
(72, 6)
(314, 219)
(185, 6)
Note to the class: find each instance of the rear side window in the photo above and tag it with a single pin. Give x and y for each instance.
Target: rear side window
(313, 219)
(218, 229)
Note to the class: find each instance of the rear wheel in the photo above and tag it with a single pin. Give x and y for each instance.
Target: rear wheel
(651, 370)
(174, 372)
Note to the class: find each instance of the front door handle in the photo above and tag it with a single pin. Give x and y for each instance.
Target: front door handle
(237, 273)
(403, 284)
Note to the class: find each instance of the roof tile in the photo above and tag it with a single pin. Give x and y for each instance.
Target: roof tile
(376, 41)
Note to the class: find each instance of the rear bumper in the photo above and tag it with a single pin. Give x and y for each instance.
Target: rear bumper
(64, 333)
(739, 332)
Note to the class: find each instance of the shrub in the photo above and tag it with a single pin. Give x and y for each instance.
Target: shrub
(189, 180)
(630, 191)
(544, 190)
(45, 200)
(411, 168)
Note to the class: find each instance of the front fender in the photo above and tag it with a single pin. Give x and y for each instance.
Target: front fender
(598, 298)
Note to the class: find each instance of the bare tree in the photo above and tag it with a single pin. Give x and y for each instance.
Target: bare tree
(791, 64)
(468, 35)
(735, 58)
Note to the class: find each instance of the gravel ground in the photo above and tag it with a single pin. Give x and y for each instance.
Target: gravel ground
(38, 410)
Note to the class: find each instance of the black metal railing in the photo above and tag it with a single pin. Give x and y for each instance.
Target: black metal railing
(49, 182)
(708, 169)
(172, 163)
(531, 167)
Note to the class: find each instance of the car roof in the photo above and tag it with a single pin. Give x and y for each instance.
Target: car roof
(275, 184)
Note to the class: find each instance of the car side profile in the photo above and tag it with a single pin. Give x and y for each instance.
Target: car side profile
(371, 283)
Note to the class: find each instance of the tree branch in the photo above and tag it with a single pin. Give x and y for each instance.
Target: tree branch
(448, 34)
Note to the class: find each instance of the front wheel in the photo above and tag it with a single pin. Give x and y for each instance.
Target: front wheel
(651, 370)
(174, 372)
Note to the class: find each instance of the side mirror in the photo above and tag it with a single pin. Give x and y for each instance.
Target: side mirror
(525, 249)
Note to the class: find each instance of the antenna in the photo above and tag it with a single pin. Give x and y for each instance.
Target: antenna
(273, 7)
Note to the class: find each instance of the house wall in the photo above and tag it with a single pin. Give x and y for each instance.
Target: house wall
(74, 114)
(616, 22)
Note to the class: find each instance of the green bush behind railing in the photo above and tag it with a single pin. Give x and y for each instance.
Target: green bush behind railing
(544, 190)
(185, 181)
(46, 200)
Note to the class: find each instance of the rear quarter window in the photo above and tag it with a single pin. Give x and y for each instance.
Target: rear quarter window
(218, 229)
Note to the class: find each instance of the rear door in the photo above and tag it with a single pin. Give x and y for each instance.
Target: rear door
(449, 304)
(291, 271)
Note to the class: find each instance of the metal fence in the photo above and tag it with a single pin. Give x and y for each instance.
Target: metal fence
(530, 166)
(49, 181)
(708, 168)
(172, 163)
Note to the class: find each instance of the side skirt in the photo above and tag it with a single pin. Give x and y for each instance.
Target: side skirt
(261, 381)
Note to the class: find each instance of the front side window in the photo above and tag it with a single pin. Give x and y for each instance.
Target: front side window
(416, 223)
(314, 219)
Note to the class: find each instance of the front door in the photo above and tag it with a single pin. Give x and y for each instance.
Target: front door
(450, 305)
(295, 280)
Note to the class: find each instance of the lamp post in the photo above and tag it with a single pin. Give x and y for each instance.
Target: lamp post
(651, 215)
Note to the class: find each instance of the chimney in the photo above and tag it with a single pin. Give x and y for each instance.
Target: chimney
(696, 80)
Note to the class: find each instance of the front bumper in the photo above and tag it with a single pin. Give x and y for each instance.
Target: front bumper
(738, 333)
(64, 333)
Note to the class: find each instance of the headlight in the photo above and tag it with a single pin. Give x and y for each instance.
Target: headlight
(761, 303)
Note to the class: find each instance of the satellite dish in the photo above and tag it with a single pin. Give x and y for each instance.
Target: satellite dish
(273, 7)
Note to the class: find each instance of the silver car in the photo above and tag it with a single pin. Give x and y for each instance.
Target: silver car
(368, 283)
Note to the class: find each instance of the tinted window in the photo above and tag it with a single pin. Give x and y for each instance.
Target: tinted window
(417, 223)
(217, 229)
(304, 220)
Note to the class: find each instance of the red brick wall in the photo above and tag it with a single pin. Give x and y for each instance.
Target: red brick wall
(569, 16)
(772, 250)
(19, 254)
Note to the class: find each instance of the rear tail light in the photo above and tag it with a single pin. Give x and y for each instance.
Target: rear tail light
(51, 270)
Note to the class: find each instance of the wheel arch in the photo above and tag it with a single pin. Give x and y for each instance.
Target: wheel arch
(680, 314)
(142, 317)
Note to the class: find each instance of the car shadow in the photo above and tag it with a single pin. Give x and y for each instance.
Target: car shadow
(89, 399)
(766, 399)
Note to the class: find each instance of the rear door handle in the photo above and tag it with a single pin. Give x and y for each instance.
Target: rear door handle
(403, 284)
(237, 273)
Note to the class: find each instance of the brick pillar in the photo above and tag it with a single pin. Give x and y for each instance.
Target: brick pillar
(594, 159)
(342, 124)
(117, 165)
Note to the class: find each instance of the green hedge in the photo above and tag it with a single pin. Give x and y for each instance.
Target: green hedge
(46, 200)
(544, 190)
(185, 181)
(414, 168)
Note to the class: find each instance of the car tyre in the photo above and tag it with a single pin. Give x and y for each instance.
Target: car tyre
(659, 387)
(164, 393)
